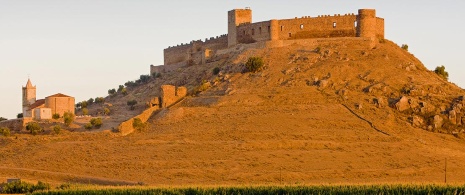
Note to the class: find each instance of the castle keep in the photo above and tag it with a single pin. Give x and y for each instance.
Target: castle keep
(273, 33)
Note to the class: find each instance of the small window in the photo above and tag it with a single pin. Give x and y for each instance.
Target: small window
(334, 24)
(355, 23)
(290, 34)
(253, 31)
(260, 30)
(301, 26)
(244, 32)
(269, 29)
(282, 28)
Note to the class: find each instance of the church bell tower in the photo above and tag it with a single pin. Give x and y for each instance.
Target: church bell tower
(29, 95)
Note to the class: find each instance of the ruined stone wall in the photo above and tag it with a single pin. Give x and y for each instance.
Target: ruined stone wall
(250, 33)
(317, 27)
(60, 105)
(169, 96)
(13, 124)
(235, 18)
(184, 52)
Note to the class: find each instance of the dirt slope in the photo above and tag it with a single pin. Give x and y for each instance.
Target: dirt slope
(313, 116)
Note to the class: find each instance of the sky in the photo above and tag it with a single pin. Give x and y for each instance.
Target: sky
(82, 48)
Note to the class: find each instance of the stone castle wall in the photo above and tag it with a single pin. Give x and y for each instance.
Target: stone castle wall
(193, 50)
(241, 30)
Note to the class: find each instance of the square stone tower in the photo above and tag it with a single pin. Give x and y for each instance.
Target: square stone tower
(29, 95)
(235, 18)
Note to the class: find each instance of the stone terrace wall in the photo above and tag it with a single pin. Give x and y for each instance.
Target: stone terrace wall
(183, 52)
(13, 124)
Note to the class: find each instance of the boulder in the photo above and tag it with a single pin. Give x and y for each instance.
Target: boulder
(379, 102)
(417, 121)
(402, 104)
(453, 117)
(322, 83)
(438, 122)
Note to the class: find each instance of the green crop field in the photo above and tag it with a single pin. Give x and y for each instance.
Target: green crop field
(257, 190)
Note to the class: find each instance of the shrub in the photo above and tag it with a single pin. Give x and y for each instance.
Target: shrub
(78, 105)
(318, 50)
(99, 100)
(138, 124)
(56, 129)
(132, 104)
(68, 118)
(124, 91)
(88, 126)
(130, 84)
(84, 104)
(34, 128)
(144, 78)
(56, 116)
(254, 64)
(120, 87)
(21, 187)
(405, 47)
(216, 70)
(85, 111)
(3, 119)
(96, 122)
(106, 111)
(19, 115)
(90, 101)
(5, 131)
(111, 91)
(441, 71)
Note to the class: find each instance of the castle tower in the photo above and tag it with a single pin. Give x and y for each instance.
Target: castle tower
(29, 95)
(235, 18)
(366, 21)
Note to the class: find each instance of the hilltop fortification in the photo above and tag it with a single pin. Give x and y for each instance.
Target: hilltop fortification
(273, 33)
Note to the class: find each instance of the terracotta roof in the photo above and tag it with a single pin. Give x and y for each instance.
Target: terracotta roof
(37, 104)
(58, 95)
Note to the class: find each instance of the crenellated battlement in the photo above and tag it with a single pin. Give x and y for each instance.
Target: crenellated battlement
(241, 30)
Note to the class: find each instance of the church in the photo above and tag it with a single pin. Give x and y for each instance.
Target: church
(43, 109)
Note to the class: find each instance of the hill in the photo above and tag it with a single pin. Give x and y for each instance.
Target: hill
(338, 112)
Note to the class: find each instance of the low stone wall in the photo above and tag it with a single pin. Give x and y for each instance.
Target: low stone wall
(13, 124)
(126, 127)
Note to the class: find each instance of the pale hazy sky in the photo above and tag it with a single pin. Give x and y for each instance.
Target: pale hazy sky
(83, 48)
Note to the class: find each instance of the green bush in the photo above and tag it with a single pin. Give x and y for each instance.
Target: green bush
(132, 104)
(85, 111)
(106, 111)
(111, 91)
(90, 101)
(34, 128)
(68, 118)
(405, 47)
(56, 129)
(138, 124)
(124, 91)
(120, 87)
(84, 104)
(96, 122)
(3, 119)
(99, 100)
(156, 75)
(21, 187)
(56, 116)
(5, 131)
(254, 64)
(216, 70)
(441, 71)
(19, 115)
(144, 78)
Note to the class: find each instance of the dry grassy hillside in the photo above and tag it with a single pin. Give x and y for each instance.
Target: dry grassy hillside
(331, 114)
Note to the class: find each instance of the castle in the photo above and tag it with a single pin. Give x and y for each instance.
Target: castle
(44, 108)
(273, 33)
